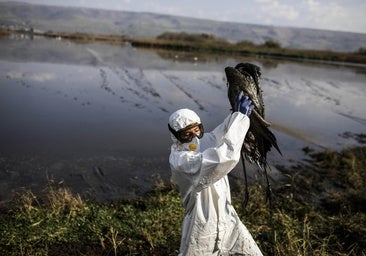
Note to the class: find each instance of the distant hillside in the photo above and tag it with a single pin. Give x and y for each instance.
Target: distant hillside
(67, 19)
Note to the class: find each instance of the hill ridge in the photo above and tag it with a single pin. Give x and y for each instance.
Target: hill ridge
(149, 25)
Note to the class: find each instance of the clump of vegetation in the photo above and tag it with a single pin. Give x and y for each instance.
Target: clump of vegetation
(4, 33)
(318, 209)
(272, 44)
(245, 43)
(183, 36)
(362, 51)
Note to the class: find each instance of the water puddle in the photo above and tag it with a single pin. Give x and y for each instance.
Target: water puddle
(95, 116)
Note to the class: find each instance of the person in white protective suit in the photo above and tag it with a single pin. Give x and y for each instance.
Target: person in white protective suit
(200, 163)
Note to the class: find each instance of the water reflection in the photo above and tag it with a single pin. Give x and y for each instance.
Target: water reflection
(95, 115)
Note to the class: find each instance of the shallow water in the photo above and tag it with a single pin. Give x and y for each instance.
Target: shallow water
(95, 116)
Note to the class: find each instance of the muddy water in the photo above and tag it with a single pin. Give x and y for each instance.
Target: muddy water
(95, 116)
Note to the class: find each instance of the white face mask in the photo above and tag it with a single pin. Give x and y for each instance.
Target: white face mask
(193, 145)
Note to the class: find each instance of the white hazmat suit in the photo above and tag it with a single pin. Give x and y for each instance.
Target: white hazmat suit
(211, 225)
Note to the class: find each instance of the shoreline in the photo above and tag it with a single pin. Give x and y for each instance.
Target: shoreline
(207, 46)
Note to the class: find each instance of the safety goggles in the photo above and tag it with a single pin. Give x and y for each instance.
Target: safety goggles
(187, 134)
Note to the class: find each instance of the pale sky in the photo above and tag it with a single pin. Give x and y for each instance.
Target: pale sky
(343, 15)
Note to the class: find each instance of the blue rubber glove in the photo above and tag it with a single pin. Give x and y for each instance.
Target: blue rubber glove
(243, 104)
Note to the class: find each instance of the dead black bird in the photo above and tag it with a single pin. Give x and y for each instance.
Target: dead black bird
(259, 139)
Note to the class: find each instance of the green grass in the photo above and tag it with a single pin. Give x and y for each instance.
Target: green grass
(318, 209)
(60, 223)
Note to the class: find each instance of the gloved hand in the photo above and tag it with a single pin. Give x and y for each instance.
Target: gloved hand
(243, 104)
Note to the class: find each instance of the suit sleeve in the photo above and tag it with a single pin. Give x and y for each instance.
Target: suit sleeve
(198, 170)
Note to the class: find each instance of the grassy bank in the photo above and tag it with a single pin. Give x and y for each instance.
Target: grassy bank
(207, 44)
(319, 209)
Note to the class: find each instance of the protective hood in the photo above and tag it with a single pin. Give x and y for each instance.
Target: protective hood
(182, 118)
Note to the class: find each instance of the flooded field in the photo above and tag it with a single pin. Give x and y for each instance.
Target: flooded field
(95, 116)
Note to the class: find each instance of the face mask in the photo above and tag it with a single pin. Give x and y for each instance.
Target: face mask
(193, 145)
(185, 137)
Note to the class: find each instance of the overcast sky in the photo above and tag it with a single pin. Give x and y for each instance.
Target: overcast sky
(344, 15)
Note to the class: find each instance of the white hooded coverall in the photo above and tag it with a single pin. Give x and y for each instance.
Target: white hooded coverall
(211, 225)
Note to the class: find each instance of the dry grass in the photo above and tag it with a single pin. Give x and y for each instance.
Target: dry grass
(320, 213)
